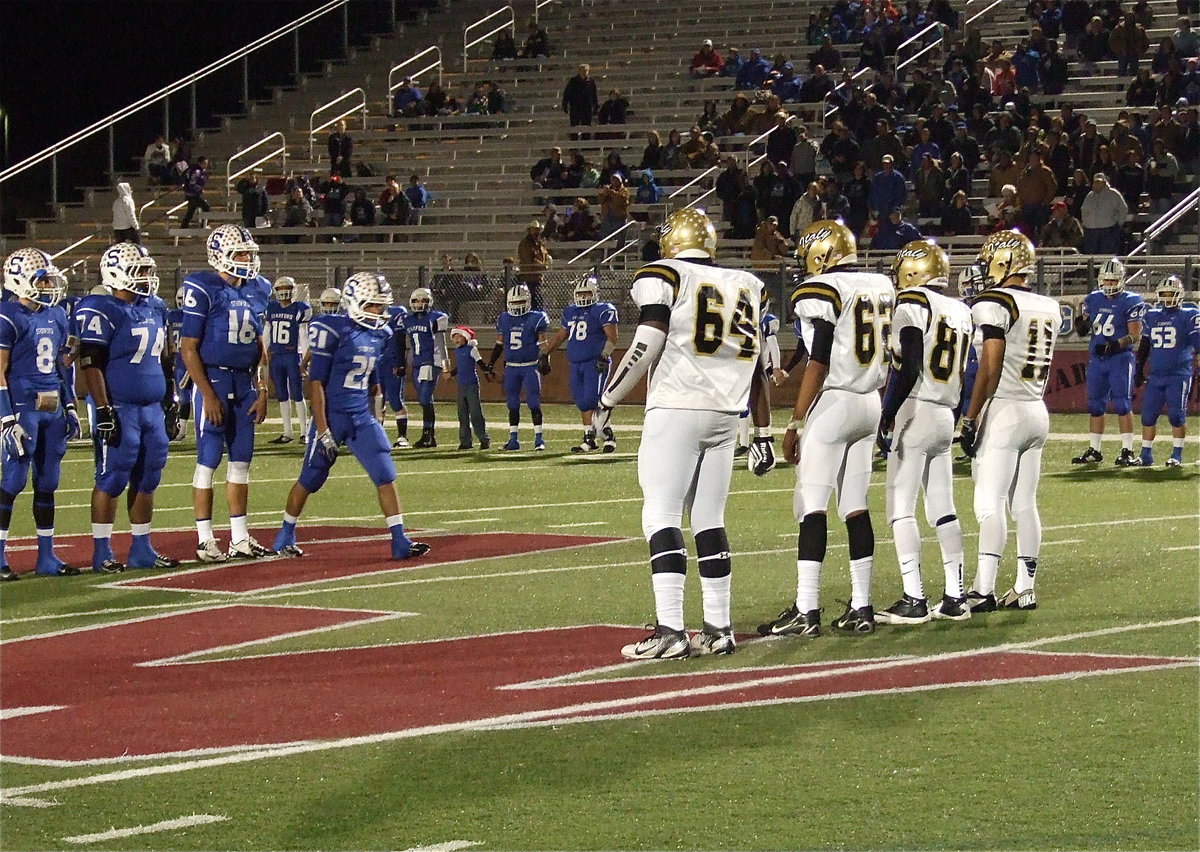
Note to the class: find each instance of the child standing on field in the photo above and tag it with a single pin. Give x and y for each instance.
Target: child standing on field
(470, 412)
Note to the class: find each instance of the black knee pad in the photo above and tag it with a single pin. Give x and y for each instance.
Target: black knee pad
(712, 553)
(667, 553)
(514, 416)
(945, 519)
(536, 415)
(862, 536)
(814, 535)
(43, 509)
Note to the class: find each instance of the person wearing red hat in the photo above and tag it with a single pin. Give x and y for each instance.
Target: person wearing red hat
(467, 361)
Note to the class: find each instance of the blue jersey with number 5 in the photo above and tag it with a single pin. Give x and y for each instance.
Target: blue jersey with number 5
(227, 320)
(134, 335)
(34, 341)
(585, 330)
(520, 335)
(1111, 317)
(344, 355)
(1174, 335)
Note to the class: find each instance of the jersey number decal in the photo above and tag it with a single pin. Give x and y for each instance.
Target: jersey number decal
(1104, 326)
(281, 332)
(949, 350)
(143, 339)
(514, 338)
(241, 328)
(1163, 337)
(867, 332)
(711, 326)
(578, 330)
(44, 360)
(357, 376)
(1037, 356)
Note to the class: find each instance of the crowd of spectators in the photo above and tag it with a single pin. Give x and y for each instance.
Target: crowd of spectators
(486, 97)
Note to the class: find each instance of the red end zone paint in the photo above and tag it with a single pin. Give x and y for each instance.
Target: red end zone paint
(116, 705)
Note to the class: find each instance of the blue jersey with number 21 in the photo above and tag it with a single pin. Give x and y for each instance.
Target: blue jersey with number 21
(344, 355)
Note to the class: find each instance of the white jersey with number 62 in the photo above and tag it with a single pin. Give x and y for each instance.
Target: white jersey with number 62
(859, 306)
(1030, 324)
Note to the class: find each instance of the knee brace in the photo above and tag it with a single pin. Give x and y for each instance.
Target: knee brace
(203, 477)
(814, 535)
(238, 473)
(667, 553)
(712, 553)
(862, 536)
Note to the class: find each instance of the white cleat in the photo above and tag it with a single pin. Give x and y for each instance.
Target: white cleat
(248, 548)
(210, 551)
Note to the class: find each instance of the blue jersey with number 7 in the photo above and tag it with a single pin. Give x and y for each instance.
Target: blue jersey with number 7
(344, 355)
(227, 320)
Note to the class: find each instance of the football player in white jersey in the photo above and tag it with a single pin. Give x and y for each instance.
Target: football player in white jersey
(929, 343)
(844, 314)
(699, 329)
(1006, 424)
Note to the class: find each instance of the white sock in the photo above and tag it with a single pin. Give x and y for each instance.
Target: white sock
(1177, 443)
(1026, 569)
(808, 585)
(860, 581)
(1127, 441)
(714, 592)
(285, 411)
(951, 541)
(46, 533)
(139, 529)
(102, 530)
(985, 573)
(302, 414)
(290, 519)
(668, 598)
(537, 430)
(394, 520)
(204, 530)
(1095, 440)
(908, 553)
(238, 529)
(1147, 443)
(743, 432)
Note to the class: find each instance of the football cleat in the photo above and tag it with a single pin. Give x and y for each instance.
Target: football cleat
(426, 441)
(858, 622)
(466, 446)
(401, 444)
(791, 622)
(291, 551)
(282, 439)
(980, 603)
(1174, 462)
(587, 445)
(513, 444)
(210, 551)
(610, 440)
(713, 640)
(7, 574)
(159, 561)
(1126, 459)
(663, 644)
(485, 443)
(1012, 599)
(741, 452)
(539, 444)
(951, 609)
(248, 548)
(108, 566)
(415, 549)
(1089, 456)
(65, 570)
(51, 566)
(907, 610)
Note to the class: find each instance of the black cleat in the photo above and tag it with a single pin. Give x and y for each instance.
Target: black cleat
(1012, 599)
(1089, 456)
(952, 609)
(741, 452)
(791, 622)
(1127, 459)
(610, 440)
(663, 644)
(282, 439)
(427, 441)
(713, 640)
(8, 575)
(70, 571)
(907, 610)
(587, 445)
(485, 443)
(109, 566)
(857, 622)
(981, 603)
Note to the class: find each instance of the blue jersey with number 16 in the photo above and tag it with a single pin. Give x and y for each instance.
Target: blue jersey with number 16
(344, 355)
(227, 320)
(134, 335)
(283, 326)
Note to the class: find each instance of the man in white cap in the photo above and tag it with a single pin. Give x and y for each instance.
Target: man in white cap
(707, 62)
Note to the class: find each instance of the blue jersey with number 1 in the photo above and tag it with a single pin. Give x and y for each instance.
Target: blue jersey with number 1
(344, 355)
(227, 320)
(422, 330)
(1111, 316)
(134, 335)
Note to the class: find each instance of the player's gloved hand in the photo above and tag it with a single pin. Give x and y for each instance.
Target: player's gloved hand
(174, 427)
(968, 435)
(1082, 327)
(1109, 347)
(544, 365)
(600, 418)
(13, 436)
(761, 457)
(74, 427)
(883, 437)
(602, 364)
(108, 426)
(327, 447)
(1139, 379)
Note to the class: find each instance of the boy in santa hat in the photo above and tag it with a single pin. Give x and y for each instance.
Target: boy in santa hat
(466, 361)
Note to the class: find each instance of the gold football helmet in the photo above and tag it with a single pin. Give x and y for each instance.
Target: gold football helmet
(825, 244)
(688, 232)
(921, 263)
(1005, 254)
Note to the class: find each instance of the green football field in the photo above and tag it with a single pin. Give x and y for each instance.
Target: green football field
(476, 698)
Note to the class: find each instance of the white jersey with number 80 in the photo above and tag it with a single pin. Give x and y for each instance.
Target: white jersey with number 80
(713, 343)
(1030, 324)
(945, 326)
(859, 306)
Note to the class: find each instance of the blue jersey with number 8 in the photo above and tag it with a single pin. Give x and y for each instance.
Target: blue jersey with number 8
(34, 340)
(227, 320)
(344, 355)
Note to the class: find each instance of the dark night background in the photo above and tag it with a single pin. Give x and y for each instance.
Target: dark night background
(64, 64)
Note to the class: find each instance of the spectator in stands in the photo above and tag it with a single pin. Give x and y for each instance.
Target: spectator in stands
(614, 205)
(652, 154)
(362, 210)
(124, 216)
(648, 190)
(1122, 140)
(894, 233)
(818, 85)
(1162, 57)
(1189, 83)
(581, 173)
(1104, 212)
(1142, 14)
(297, 212)
(1104, 164)
(193, 191)
(613, 166)
(787, 86)
(408, 100)
(735, 121)
(694, 148)
(1128, 43)
(929, 185)
(707, 62)
(534, 258)
(393, 204)
(341, 146)
(1093, 44)
(477, 103)
(1075, 17)
(1143, 91)
(614, 110)
(1077, 191)
(1170, 87)
(781, 197)
(803, 160)
(505, 47)
(734, 63)
(1036, 186)
(1004, 171)
(1189, 144)
(497, 98)
(781, 142)
(437, 102)
(549, 172)
(1005, 136)
(857, 188)
(769, 245)
(581, 224)
(1187, 44)
(957, 178)
(537, 42)
(1002, 80)
(872, 53)
(838, 33)
(1063, 230)
(888, 188)
(884, 144)
(333, 200)
(1025, 64)
(1053, 70)
(808, 208)
(1131, 179)
(156, 161)
(579, 100)
(841, 151)
(826, 56)
(255, 206)
(966, 147)
(956, 217)
(754, 73)
(1005, 211)
(1162, 174)
(925, 145)
(418, 199)
(837, 206)
(710, 119)
(551, 223)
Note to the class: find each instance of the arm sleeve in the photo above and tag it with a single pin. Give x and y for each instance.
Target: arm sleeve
(822, 341)
(771, 354)
(904, 379)
(647, 345)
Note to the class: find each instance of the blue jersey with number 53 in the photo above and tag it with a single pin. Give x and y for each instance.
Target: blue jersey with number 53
(227, 320)
(134, 334)
(1111, 317)
(585, 330)
(1174, 335)
(344, 355)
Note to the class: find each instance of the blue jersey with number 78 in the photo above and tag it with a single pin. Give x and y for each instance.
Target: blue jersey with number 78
(227, 320)
(344, 355)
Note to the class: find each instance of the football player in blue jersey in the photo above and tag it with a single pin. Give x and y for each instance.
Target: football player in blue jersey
(1171, 346)
(179, 373)
(345, 351)
(768, 326)
(126, 363)
(37, 409)
(223, 348)
(1112, 316)
(391, 375)
(589, 327)
(425, 339)
(521, 338)
(287, 338)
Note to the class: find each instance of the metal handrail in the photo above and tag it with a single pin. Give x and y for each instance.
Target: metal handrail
(231, 176)
(511, 23)
(694, 181)
(981, 12)
(1159, 226)
(392, 87)
(628, 245)
(935, 43)
(602, 241)
(916, 36)
(239, 55)
(359, 106)
(74, 245)
(538, 4)
(942, 35)
(859, 73)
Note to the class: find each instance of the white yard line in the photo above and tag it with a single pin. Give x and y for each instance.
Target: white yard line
(165, 825)
(448, 846)
(581, 524)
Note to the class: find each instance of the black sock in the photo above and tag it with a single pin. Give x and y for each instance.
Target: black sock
(712, 553)
(862, 536)
(814, 535)
(43, 510)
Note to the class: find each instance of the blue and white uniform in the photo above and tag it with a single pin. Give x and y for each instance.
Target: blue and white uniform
(391, 385)
(519, 335)
(285, 333)
(586, 339)
(1174, 335)
(1110, 377)
(425, 340)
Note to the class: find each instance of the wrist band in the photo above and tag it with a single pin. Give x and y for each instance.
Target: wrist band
(794, 425)
(762, 431)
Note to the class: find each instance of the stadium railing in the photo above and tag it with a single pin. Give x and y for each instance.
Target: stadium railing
(280, 151)
(359, 106)
(436, 64)
(478, 32)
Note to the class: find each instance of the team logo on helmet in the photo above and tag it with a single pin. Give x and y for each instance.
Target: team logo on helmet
(30, 274)
(364, 291)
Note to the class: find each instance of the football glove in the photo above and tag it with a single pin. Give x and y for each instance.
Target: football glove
(74, 427)
(108, 426)
(761, 457)
(544, 365)
(602, 364)
(12, 437)
(968, 435)
(1110, 347)
(327, 447)
(1082, 327)
(600, 418)
(172, 423)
